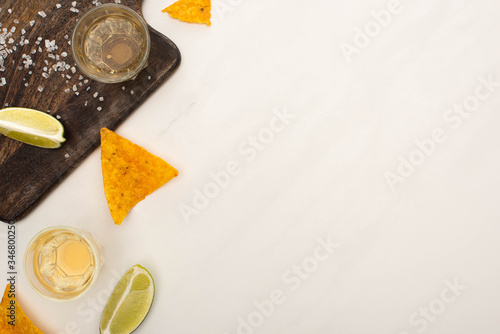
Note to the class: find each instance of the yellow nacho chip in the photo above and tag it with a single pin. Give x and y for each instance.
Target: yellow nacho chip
(130, 173)
(12, 318)
(195, 11)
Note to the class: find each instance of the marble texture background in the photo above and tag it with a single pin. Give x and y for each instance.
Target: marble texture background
(337, 168)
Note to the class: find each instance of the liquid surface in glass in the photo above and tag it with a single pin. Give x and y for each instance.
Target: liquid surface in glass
(63, 262)
(114, 45)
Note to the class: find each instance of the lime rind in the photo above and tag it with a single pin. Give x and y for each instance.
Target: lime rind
(129, 303)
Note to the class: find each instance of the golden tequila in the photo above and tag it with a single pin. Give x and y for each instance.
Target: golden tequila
(62, 262)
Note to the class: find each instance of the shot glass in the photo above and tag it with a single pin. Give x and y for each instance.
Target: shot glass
(111, 43)
(61, 263)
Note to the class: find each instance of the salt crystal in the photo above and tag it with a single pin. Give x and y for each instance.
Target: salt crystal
(3, 82)
(132, 92)
(13, 28)
(16, 21)
(58, 116)
(42, 13)
(64, 54)
(73, 4)
(86, 81)
(88, 88)
(99, 108)
(23, 31)
(123, 87)
(45, 75)
(66, 36)
(9, 10)
(66, 155)
(58, 5)
(77, 93)
(32, 23)
(80, 77)
(101, 98)
(26, 84)
(74, 88)
(68, 76)
(67, 90)
(40, 88)
(73, 70)
(86, 103)
(149, 77)
(95, 94)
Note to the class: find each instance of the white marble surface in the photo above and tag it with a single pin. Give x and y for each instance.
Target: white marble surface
(370, 205)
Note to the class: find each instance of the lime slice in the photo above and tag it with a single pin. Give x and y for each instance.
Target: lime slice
(129, 302)
(31, 127)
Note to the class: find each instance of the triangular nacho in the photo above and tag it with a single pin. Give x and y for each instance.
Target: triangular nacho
(194, 11)
(12, 319)
(130, 173)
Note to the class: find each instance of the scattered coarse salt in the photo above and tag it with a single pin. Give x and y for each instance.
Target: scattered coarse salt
(96, 94)
(80, 77)
(74, 10)
(149, 77)
(58, 116)
(88, 88)
(16, 21)
(67, 90)
(123, 87)
(23, 31)
(42, 13)
(73, 70)
(86, 81)
(9, 10)
(58, 5)
(99, 108)
(45, 75)
(26, 84)
(40, 88)
(32, 23)
(73, 4)
(131, 92)
(3, 82)
(64, 54)
(66, 155)
(66, 37)
(77, 93)
(74, 88)
(101, 98)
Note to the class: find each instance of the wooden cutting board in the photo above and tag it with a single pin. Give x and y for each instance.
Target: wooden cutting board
(38, 72)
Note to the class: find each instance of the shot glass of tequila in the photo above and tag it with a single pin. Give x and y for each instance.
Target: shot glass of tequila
(61, 263)
(111, 43)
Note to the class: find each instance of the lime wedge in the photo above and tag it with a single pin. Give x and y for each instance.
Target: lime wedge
(129, 302)
(31, 127)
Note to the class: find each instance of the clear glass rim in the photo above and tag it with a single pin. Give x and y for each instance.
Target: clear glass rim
(144, 60)
(81, 233)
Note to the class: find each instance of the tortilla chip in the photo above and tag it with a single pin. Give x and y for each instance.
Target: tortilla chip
(130, 173)
(13, 320)
(195, 11)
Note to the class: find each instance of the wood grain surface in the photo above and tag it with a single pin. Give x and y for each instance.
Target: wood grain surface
(37, 71)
